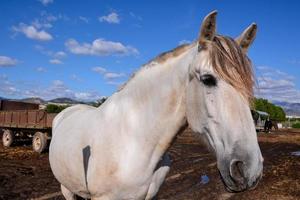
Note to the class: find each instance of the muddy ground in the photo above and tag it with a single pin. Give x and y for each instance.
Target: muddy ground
(27, 175)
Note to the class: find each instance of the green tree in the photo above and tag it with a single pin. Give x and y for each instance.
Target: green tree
(275, 112)
(296, 125)
(52, 108)
(98, 102)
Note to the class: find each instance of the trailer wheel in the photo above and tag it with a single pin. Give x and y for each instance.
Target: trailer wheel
(39, 142)
(7, 138)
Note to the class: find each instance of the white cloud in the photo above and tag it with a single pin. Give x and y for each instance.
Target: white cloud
(7, 87)
(41, 69)
(45, 20)
(112, 18)
(84, 19)
(52, 18)
(100, 47)
(87, 96)
(112, 75)
(115, 83)
(133, 15)
(46, 2)
(276, 85)
(109, 76)
(58, 89)
(55, 61)
(55, 89)
(7, 61)
(99, 70)
(55, 55)
(38, 24)
(48, 17)
(36, 28)
(75, 78)
(184, 42)
(59, 54)
(42, 50)
(32, 32)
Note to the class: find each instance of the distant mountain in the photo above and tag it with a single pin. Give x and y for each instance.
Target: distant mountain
(65, 100)
(62, 100)
(289, 108)
(34, 100)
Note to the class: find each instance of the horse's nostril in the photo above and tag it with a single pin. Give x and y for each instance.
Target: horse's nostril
(237, 172)
(255, 183)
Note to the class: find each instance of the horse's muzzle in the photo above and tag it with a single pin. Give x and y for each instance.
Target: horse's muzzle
(235, 179)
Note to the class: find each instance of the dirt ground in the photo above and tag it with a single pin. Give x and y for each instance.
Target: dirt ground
(27, 175)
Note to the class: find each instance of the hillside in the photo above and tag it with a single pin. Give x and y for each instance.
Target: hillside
(34, 100)
(64, 100)
(289, 108)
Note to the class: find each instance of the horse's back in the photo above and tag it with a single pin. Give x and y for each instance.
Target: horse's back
(68, 112)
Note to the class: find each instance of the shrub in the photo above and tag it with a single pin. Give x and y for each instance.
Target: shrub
(51, 108)
(296, 125)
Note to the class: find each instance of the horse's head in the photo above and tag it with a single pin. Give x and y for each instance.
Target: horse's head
(219, 95)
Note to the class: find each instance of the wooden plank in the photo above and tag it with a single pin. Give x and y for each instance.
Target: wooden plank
(2, 118)
(23, 118)
(8, 118)
(32, 119)
(41, 118)
(50, 117)
(15, 119)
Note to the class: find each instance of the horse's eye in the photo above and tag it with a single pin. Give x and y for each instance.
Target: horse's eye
(208, 80)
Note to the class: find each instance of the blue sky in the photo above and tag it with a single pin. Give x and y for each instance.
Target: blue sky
(86, 49)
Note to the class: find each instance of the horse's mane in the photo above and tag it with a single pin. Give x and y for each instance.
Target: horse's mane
(232, 65)
(227, 59)
(160, 59)
(170, 54)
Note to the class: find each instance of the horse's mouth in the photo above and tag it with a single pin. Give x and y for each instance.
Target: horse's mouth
(232, 186)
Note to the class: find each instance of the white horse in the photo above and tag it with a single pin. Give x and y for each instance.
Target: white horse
(112, 152)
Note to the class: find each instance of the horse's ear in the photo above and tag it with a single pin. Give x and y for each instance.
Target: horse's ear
(247, 37)
(208, 28)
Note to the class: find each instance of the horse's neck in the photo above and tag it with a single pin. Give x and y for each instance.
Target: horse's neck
(152, 104)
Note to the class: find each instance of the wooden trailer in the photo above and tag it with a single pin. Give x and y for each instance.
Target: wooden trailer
(19, 120)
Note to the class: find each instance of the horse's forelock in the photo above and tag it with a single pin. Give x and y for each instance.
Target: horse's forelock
(232, 65)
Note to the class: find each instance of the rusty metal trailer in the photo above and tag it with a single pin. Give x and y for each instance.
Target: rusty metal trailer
(20, 120)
